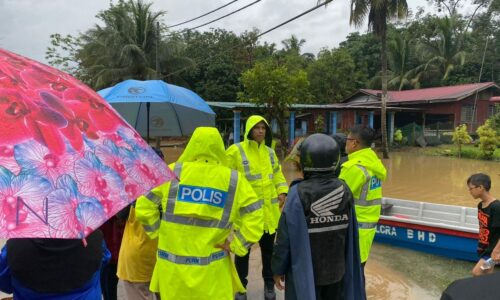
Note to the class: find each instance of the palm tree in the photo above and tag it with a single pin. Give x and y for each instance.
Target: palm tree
(444, 52)
(293, 45)
(399, 77)
(378, 13)
(125, 46)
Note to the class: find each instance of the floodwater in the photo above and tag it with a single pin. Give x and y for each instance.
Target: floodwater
(395, 273)
(435, 179)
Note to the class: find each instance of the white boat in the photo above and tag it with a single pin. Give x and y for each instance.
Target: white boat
(447, 230)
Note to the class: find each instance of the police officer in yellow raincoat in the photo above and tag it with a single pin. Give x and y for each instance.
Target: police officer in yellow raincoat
(255, 158)
(198, 211)
(364, 172)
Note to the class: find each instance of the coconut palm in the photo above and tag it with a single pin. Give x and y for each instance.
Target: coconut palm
(399, 52)
(293, 45)
(444, 52)
(378, 13)
(125, 46)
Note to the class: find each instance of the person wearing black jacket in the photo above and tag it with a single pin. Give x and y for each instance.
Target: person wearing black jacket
(316, 251)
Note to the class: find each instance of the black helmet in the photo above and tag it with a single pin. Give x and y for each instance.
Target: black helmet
(319, 153)
(341, 139)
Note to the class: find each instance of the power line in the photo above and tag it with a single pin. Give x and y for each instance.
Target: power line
(261, 34)
(206, 14)
(215, 20)
(296, 17)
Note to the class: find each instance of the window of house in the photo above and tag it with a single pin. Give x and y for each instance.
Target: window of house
(493, 109)
(466, 114)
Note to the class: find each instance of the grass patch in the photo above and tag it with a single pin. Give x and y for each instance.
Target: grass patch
(468, 151)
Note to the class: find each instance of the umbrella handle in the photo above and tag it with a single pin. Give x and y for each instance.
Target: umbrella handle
(84, 241)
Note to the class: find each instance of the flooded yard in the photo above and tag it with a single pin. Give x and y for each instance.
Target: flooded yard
(396, 273)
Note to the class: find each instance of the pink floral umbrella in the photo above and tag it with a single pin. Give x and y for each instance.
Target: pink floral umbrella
(68, 161)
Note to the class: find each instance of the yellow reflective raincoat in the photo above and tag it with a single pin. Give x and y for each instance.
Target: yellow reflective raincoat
(262, 169)
(137, 256)
(198, 212)
(364, 172)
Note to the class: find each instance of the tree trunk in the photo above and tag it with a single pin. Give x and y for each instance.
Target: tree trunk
(283, 136)
(383, 109)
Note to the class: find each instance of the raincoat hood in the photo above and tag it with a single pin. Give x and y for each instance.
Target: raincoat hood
(251, 122)
(367, 158)
(205, 145)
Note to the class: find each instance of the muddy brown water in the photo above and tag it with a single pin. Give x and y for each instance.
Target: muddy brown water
(436, 179)
(395, 273)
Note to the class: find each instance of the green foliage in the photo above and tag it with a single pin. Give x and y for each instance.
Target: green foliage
(444, 52)
(63, 51)
(460, 137)
(426, 50)
(488, 139)
(332, 76)
(123, 47)
(221, 56)
(276, 88)
(365, 52)
(467, 151)
(398, 136)
(495, 120)
(319, 124)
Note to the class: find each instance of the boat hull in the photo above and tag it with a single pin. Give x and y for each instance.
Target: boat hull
(434, 240)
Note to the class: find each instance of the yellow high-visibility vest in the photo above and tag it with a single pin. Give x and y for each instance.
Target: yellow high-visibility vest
(364, 173)
(262, 169)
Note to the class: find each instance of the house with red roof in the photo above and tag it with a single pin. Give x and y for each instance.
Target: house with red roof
(434, 110)
(447, 106)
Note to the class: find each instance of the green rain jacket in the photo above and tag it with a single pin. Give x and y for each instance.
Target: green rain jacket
(262, 169)
(364, 172)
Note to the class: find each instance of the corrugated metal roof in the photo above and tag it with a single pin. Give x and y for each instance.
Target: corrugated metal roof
(331, 107)
(436, 94)
(236, 105)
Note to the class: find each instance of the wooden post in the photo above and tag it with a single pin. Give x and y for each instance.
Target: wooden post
(236, 126)
(333, 117)
(291, 129)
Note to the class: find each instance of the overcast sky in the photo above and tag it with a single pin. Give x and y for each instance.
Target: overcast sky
(25, 25)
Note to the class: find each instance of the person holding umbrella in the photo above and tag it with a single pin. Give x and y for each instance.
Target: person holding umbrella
(199, 210)
(57, 269)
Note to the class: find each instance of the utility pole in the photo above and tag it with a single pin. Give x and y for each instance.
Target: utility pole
(157, 47)
(158, 138)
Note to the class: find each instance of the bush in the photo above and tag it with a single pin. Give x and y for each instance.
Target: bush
(488, 139)
(398, 136)
(460, 137)
(468, 152)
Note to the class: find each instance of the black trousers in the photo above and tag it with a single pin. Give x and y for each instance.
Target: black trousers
(266, 250)
(363, 274)
(333, 291)
(109, 282)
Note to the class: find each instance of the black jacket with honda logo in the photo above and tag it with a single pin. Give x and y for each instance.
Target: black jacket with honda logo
(327, 205)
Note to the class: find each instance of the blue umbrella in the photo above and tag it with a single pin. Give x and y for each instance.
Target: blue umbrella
(165, 109)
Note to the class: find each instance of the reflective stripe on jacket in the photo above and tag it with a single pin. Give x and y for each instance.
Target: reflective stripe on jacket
(261, 167)
(363, 173)
(198, 212)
